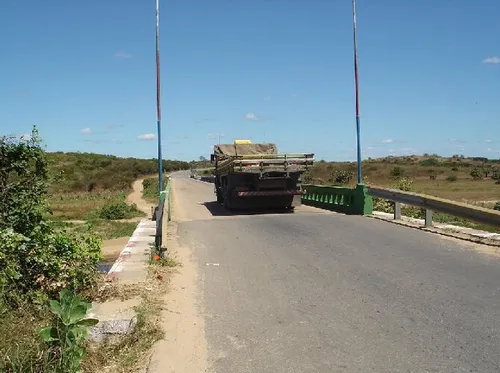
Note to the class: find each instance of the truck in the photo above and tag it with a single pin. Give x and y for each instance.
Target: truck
(255, 176)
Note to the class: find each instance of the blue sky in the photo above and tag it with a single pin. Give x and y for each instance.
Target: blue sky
(270, 70)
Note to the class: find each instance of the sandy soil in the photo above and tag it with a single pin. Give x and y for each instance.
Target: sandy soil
(185, 348)
(111, 249)
(136, 197)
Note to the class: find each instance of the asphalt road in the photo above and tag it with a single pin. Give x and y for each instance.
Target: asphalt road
(322, 292)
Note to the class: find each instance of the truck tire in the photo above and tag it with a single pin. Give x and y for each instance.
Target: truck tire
(220, 198)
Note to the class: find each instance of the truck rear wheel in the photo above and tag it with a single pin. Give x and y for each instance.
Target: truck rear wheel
(220, 198)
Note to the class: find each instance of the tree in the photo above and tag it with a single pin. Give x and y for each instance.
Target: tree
(432, 174)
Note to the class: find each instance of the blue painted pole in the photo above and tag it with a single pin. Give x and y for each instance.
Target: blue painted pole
(158, 96)
(356, 83)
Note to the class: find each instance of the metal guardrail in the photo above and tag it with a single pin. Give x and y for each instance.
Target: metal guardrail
(430, 204)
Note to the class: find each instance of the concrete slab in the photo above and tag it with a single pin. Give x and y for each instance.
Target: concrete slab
(116, 318)
(131, 266)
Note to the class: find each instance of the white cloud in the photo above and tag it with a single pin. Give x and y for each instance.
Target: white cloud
(123, 55)
(388, 141)
(251, 116)
(86, 131)
(147, 136)
(492, 60)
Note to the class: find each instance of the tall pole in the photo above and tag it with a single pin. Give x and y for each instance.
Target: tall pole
(158, 104)
(356, 83)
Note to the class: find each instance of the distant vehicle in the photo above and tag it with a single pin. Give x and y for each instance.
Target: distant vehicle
(255, 176)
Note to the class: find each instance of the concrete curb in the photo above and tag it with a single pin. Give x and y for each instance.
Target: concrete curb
(461, 233)
(136, 252)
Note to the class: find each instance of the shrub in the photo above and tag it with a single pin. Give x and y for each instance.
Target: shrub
(398, 172)
(118, 210)
(452, 178)
(430, 162)
(46, 262)
(477, 173)
(496, 175)
(35, 260)
(497, 206)
(341, 177)
(432, 174)
(404, 184)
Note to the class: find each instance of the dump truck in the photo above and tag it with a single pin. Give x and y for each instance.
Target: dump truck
(255, 176)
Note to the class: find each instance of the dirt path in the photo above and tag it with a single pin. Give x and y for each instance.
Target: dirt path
(111, 249)
(136, 197)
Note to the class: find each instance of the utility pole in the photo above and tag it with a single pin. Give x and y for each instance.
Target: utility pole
(158, 98)
(356, 84)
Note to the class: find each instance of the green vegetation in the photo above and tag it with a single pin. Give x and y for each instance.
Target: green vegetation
(66, 339)
(43, 252)
(88, 172)
(36, 260)
(150, 188)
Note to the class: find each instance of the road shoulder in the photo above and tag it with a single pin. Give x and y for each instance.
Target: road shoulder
(184, 349)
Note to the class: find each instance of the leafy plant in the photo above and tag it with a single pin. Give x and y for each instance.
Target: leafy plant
(397, 172)
(66, 338)
(432, 174)
(118, 210)
(452, 178)
(496, 175)
(497, 206)
(476, 173)
(341, 177)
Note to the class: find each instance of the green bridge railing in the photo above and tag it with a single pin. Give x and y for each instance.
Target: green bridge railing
(346, 200)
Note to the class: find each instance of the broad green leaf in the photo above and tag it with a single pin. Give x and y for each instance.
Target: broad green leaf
(88, 322)
(77, 313)
(55, 307)
(49, 334)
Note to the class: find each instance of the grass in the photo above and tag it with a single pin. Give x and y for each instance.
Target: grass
(150, 188)
(21, 349)
(105, 229)
(82, 205)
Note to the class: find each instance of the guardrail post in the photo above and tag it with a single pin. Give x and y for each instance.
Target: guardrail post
(363, 203)
(428, 218)
(397, 211)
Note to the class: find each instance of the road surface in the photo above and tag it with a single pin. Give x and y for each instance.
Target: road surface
(322, 292)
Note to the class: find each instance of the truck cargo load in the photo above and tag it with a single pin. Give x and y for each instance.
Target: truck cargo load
(256, 176)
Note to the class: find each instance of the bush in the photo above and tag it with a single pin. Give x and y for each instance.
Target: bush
(398, 172)
(341, 177)
(35, 260)
(497, 206)
(452, 178)
(118, 210)
(46, 262)
(477, 173)
(432, 174)
(496, 175)
(404, 184)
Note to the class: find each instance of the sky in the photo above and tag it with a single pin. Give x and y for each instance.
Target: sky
(277, 71)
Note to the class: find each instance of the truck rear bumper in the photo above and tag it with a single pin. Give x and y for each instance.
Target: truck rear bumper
(268, 193)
